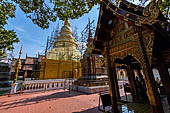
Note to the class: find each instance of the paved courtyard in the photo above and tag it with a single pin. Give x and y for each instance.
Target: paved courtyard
(60, 101)
(56, 101)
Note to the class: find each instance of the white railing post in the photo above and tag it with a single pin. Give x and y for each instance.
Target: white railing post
(44, 87)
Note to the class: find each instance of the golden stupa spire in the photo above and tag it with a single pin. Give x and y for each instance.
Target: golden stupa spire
(67, 23)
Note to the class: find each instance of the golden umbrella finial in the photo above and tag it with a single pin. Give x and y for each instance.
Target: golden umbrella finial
(67, 23)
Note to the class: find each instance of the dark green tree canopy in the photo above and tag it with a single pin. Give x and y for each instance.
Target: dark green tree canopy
(73, 9)
(165, 8)
(7, 37)
(38, 11)
(41, 12)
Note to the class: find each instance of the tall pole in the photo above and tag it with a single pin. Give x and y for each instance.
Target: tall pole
(45, 57)
(18, 66)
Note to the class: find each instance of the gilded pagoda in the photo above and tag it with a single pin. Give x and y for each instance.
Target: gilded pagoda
(63, 60)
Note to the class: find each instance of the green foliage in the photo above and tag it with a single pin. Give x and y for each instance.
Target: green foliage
(7, 37)
(165, 8)
(38, 11)
(41, 12)
(73, 9)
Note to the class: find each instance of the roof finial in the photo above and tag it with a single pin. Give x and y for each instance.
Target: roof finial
(67, 23)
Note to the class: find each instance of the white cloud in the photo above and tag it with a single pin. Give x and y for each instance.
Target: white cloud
(17, 28)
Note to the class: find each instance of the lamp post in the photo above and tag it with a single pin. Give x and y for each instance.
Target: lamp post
(17, 67)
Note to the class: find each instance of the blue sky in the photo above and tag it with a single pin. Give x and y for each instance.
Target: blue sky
(33, 38)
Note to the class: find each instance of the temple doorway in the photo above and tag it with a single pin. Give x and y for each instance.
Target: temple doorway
(134, 83)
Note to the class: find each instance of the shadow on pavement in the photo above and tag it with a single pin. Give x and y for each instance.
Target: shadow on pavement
(92, 110)
(38, 99)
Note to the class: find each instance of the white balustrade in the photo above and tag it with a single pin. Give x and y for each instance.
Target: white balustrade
(43, 85)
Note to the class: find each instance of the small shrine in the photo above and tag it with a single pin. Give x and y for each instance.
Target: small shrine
(137, 40)
(93, 65)
(94, 77)
(94, 72)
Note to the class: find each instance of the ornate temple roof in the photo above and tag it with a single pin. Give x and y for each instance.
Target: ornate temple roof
(149, 18)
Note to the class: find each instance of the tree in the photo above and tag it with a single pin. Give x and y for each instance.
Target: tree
(165, 8)
(43, 11)
(73, 9)
(7, 37)
(38, 11)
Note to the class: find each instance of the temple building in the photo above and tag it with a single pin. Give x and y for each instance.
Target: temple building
(137, 40)
(29, 66)
(63, 60)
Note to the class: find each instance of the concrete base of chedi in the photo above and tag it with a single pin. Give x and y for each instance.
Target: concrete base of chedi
(89, 90)
(58, 69)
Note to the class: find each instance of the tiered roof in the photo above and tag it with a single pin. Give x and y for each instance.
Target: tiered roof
(149, 18)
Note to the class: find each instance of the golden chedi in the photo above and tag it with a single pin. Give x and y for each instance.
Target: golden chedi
(63, 60)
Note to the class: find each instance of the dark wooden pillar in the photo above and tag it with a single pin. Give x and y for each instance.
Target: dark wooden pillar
(165, 77)
(140, 75)
(111, 81)
(154, 97)
(131, 78)
(116, 82)
(145, 96)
